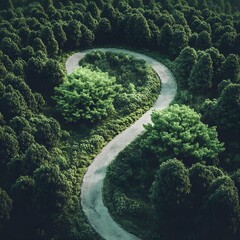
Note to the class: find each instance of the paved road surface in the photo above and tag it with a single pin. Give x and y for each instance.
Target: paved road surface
(91, 190)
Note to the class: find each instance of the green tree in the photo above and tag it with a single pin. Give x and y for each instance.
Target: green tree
(165, 37)
(10, 48)
(103, 32)
(6, 4)
(35, 156)
(48, 38)
(5, 207)
(87, 37)
(90, 22)
(178, 43)
(74, 34)
(52, 190)
(184, 64)
(201, 177)
(8, 147)
(137, 31)
(231, 68)
(60, 35)
(168, 194)
(202, 73)
(53, 75)
(39, 45)
(204, 40)
(228, 109)
(178, 132)
(86, 95)
(12, 103)
(171, 186)
(217, 59)
(48, 131)
(219, 217)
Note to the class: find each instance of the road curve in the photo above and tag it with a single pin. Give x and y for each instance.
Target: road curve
(91, 190)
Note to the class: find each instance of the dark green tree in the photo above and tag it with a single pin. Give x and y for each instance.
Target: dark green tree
(52, 190)
(35, 156)
(5, 207)
(53, 75)
(178, 43)
(103, 32)
(49, 40)
(201, 75)
(10, 48)
(231, 68)
(48, 131)
(184, 64)
(74, 34)
(219, 218)
(87, 37)
(203, 41)
(165, 37)
(60, 35)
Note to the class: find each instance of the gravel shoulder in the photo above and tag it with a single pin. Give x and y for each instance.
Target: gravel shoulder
(91, 190)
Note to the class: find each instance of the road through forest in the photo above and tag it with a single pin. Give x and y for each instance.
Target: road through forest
(91, 190)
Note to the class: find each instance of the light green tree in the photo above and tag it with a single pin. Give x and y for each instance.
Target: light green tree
(86, 95)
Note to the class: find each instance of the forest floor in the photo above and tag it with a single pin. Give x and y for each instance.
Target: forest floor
(92, 187)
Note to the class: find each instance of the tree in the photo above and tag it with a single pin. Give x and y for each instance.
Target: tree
(184, 64)
(34, 71)
(201, 177)
(48, 131)
(165, 37)
(217, 59)
(93, 9)
(137, 31)
(219, 217)
(5, 207)
(6, 4)
(60, 35)
(35, 156)
(103, 32)
(236, 178)
(39, 45)
(231, 68)
(12, 103)
(171, 186)
(228, 109)
(90, 22)
(48, 38)
(168, 194)
(86, 95)
(87, 37)
(25, 140)
(52, 190)
(204, 40)
(19, 68)
(178, 43)
(226, 43)
(8, 147)
(53, 75)
(177, 132)
(23, 192)
(10, 48)
(201, 75)
(74, 34)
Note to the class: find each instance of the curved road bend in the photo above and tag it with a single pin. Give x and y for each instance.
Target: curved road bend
(91, 190)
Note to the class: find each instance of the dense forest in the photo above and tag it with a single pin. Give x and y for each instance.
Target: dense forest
(182, 174)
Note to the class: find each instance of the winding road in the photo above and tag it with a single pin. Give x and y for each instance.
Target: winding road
(91, 191)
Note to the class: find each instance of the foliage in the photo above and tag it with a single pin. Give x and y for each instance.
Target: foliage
(178, 132)
(86, 95)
